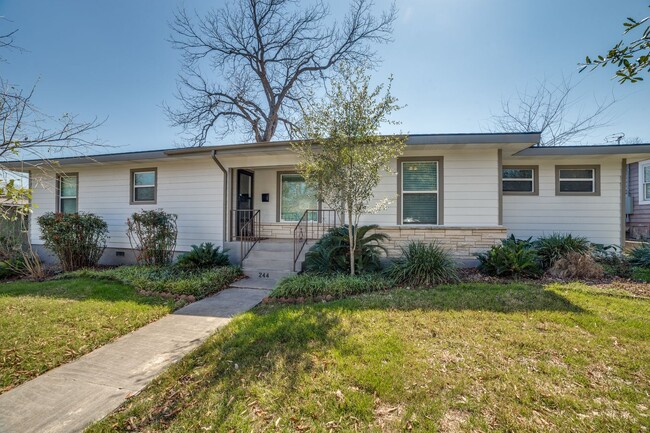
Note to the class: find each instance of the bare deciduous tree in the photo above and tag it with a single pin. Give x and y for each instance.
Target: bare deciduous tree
(28, 132)
(550, 109)
(265, 58)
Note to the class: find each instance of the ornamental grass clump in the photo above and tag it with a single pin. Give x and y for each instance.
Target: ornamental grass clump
(640, 256)
(153, 233)
(551, 248)
(77, 239)
(423, 265)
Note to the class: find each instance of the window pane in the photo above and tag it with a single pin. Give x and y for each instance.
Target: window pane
(517, 186)
(420, 176)
(68, 205)
(647, 191)
(145, 178)
(646, 173)
(576, 186)
(420, 208)
(144, 194)
(515, 173)
(296, 198)
(576, 174)
(69, 186)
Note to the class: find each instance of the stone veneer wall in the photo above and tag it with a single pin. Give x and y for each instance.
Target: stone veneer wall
(278, 230)
(463, 242)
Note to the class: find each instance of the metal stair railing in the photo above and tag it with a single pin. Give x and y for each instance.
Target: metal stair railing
(313, 224)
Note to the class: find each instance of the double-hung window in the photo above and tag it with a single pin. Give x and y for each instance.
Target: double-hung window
(519, 180)
(420, 191)
(295, 198)
(143, 186)
(644, 182)
(577, 180)
(68, 193)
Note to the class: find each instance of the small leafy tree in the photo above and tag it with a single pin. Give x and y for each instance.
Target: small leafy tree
(78, 240)
(153, 233)
(343, 155)
(631, 58)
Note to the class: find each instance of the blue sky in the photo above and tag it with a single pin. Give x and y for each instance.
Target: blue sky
(453, 61)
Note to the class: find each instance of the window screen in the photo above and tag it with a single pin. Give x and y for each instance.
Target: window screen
(419, 193)
(68, 198)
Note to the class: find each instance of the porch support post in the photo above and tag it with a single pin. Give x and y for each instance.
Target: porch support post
(225, 194)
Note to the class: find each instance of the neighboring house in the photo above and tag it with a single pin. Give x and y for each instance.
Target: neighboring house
(467, 191)
(638, 206)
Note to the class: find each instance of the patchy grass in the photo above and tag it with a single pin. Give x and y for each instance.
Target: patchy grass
(464, 357)
(44, 325)
(167, 279)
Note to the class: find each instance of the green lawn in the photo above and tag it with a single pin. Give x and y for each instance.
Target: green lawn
(469, 357)
(43, 325)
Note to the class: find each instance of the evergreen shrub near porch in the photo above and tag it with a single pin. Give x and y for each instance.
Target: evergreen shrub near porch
(77, 239)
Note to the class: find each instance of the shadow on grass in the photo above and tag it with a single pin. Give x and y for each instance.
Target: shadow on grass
(275, 343)
(78, 289)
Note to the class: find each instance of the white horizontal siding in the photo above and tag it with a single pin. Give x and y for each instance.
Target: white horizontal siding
(596, 217)
(190, 188)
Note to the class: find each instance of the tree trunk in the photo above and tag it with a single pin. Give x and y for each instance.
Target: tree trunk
(352, 238)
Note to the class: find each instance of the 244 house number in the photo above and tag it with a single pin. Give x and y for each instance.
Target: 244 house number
(264, 275)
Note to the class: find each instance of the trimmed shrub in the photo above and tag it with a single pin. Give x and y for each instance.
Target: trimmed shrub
(423, 265)
(167, 279)
(203, 256)
(77, 239)
(576, 265)
(553, 247)
(153, 233)
(338, 286)
(331, 253)
(640, 256)
(513, 257)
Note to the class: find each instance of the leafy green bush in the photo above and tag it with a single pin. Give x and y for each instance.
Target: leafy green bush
(153, 233)
(641, 274)
(77, 239)
(423, 265)
(640, 256)
(167, 279)
(331, 253)
(203, 256)
(337, 286)
(612, 259)
(553, 247)
(513, 257)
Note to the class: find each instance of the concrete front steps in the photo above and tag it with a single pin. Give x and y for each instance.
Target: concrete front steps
(268, 262)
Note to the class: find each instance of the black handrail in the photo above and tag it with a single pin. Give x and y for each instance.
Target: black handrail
(313, 224)
(249, 232)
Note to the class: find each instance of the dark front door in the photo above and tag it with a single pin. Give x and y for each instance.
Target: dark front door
(244, 199)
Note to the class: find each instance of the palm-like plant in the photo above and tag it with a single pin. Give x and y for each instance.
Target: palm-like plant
(331, 253)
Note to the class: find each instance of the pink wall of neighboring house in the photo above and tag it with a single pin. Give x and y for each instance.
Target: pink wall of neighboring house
(639, 219)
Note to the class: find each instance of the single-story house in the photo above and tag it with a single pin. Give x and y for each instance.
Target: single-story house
(468, 191)
(638, 200)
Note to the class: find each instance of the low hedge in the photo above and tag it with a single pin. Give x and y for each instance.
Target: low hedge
(166, 279)
(337, 286)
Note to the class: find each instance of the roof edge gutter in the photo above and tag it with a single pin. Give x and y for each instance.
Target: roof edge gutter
(213, 154)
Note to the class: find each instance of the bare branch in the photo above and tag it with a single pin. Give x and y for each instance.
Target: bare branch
(263, 57)
(549, 109)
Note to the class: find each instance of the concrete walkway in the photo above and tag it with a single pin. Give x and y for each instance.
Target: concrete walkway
(70, 397)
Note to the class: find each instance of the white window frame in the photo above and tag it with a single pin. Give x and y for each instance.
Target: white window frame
(595, 181)
(533, 179)
(59, 191)
(134, 172)
(642, 182)
(281, 175)
(402, 193)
